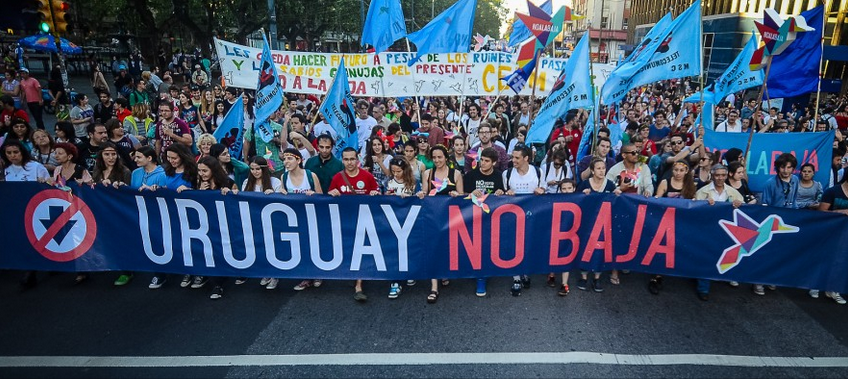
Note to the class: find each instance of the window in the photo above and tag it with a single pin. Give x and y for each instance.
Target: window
(604, 22)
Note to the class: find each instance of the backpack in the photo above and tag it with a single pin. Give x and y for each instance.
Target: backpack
(308, 175)
(538, 176)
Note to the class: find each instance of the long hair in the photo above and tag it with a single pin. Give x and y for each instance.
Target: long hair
(369, 161)
(407, 176)
(117, 173)
(265, 178)
(689, 188)
(26, 157)
(187, 160)
(216, 150)
(219, 176)
(27, 135)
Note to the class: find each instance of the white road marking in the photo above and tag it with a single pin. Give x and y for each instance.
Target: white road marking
(415, 359)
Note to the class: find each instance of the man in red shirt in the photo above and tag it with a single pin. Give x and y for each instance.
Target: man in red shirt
(9, 112)
(570, 134)
(353, 181)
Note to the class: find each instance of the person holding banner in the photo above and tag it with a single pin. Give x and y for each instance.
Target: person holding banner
(522, 179)
(439, 181)
(260, 180)
(483, 180)
(834, 199)
(401, 184)
(149, 173)
(342, 184)
(716, 191)
(324, 165)
(679, 185)
(212, 177)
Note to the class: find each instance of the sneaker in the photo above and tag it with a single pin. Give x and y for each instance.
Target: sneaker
(597, 285)
(733, 283)
(272, 284)
(317, 283)
(836, 297)
(516, 288)
(199, 281)
(551, 282)
(303, 285)
(360, 297)
(481, 287)
(394, 291)
(525, 281)
(186, 281)
(240, 281)
(581, 284)
(772, 288)
(410, 283)
(156, 282)
(814, 294)
(758, 290)
(563, 290)
(123, 280)
(217, 293)
(264, 282)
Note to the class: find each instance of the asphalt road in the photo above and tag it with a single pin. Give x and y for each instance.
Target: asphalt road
(95, 319)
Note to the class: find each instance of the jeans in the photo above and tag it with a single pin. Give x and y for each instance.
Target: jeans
(37, 114)
(703, 286)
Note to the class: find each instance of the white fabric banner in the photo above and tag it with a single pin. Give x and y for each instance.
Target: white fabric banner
(387, 74)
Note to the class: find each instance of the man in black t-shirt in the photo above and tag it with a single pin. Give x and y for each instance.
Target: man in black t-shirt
(482, 180)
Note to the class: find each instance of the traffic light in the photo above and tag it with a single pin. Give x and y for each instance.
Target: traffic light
(46, 23)
(60, 25)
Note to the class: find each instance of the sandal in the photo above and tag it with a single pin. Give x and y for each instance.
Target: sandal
(432, 297)
(654, 286)
(445, 282)
(614, 280)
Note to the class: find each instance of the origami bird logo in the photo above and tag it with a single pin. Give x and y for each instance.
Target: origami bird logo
(479, 201)
(439, 185)
(473, 155)
(776, 34)
(749, 236)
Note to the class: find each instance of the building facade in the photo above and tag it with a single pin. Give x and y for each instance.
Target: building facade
(606, 22)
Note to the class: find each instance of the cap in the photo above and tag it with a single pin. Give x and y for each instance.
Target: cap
(24, 69)
(197, 66)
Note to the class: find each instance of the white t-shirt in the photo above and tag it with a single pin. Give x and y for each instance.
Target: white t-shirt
(363, 127)
(301, 188)
(30, 172)
(728, 127)
(276, 184)
(471, 129)
(396, 188)
(324, 128)
(522, 184)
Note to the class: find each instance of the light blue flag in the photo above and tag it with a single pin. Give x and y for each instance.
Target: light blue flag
(269, 94)
(573, 89)
(709, 121)
(231, 131)
(676, 54)
(384, 24)
(338, 110)
(738, 76)
(652, 35)
(520, 33)
(585, 146)
(449, 32)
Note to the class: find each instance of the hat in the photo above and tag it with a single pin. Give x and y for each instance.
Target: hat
(24, 69)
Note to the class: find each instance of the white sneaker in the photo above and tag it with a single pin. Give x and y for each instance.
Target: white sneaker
(734, 283)
(317, 283)
(264, 281)
(836, 297)
(394, 291)
(758, 290)
(814, 294)
(272, 284)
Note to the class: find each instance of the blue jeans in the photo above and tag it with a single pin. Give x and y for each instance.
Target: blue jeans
(703, 286)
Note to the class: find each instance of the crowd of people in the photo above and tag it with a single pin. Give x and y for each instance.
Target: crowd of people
(154, 134)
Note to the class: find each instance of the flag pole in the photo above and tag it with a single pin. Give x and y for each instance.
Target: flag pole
(759, 105)
(701, 74)
(330, 88)
(821, 61)
(533, 93)
(417, 111)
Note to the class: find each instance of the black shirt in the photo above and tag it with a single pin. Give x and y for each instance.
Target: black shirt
(475, 179)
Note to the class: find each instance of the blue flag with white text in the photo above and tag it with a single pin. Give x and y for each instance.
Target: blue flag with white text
(269, 94)
(338, 110)
(518, 79)
(675, 54)
(384, 24)
(231, 131)
(520, 32)
(796, 71)
(738, 76)
(449, 32)
(653, 34)
(572, 89)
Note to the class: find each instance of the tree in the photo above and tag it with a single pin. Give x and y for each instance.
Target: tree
(490, 15)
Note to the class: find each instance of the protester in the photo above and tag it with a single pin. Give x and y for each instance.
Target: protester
(522, 179)
(481, 181)
(212, 177)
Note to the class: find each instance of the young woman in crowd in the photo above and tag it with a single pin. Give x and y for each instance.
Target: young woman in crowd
(218, 114)
(679, 185)
(377, 162)
(180, 175)
(444, 181)
(139, 124)
(457, 154)
(403, 184)
(736, 179)
(297, 180)
(260, 180)
(42, 151)
(410, 155)
(212, 177)
(424, 151)
(21, 131)
(207, 108)
(236, 169)
(190, 114)
(126, 143)
(65, 133)
(149, 174)
(109, 169)
(809, 190)
(597, 183)
(702, 171)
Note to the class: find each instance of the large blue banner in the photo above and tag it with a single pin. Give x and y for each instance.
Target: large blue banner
(387, 237)
(815, 148)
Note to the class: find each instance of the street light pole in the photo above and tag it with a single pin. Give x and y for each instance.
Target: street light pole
(272, 27)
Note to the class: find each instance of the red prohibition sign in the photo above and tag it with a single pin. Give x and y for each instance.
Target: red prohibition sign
(74, 205)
